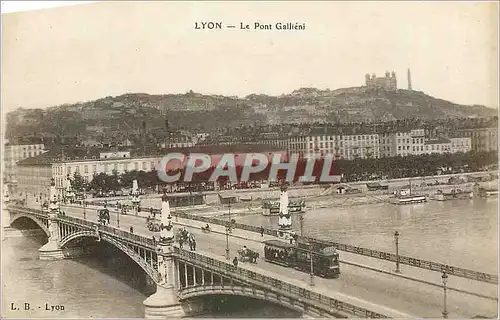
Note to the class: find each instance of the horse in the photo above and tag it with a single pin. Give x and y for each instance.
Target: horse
(182, 237)
(192, 242)
(103, 216)
(152, 225)
(249, 256)
(205, 229)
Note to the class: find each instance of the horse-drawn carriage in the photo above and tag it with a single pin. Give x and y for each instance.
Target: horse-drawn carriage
(248, 255)
(152, 225)
(206, 229)
(103, 216)
(183, 236)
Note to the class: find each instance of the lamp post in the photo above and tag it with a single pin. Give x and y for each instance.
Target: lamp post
(396, 237)
(228, 228)
(311, 278)
(117, 216)
(84, 204)
(301, 219)
(445, 279)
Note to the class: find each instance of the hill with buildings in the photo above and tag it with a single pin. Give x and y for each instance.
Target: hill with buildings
(141, 117)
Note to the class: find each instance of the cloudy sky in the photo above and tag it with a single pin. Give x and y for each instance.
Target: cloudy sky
(85, 52)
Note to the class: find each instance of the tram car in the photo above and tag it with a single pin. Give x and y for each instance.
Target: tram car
(298, 256)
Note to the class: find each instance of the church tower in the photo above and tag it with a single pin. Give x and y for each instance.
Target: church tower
(409, 80)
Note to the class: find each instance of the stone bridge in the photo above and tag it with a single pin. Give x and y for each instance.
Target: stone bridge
(181, 276)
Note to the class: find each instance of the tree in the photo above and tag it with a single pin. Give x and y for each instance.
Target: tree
(100, 182)
(78, 183)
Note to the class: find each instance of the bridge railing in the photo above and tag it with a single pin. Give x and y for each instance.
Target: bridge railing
(410, 261)
(110, 230)
(418, 263)
(35, 212)
(324, 302)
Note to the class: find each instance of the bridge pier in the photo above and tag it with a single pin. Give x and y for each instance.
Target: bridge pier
(52, 250)
(164, 304)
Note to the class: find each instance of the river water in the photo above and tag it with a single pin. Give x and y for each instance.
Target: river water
(106, 285)
(462, 233)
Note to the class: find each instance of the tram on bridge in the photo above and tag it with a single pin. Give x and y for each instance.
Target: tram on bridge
(325, 260)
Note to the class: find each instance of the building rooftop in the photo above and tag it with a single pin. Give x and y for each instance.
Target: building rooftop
(79, 155)
(439, 140)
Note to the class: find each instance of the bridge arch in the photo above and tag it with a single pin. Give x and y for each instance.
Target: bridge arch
(15, 217)
(245, 291)
(147, 268)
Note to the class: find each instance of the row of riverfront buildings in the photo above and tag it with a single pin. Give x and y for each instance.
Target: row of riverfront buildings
(29, 168)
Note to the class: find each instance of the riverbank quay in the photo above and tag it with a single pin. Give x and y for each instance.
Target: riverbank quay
(293, 189)
(315, 192)
(314, 199)
(432, 278)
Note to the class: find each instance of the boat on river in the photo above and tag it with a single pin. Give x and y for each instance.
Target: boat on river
(272, 208)
(453, 194)
(486, 192)
(405, 196)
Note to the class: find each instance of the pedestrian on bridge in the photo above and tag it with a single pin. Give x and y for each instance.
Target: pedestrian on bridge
(235, 262)
(131, 229)
(261, 231)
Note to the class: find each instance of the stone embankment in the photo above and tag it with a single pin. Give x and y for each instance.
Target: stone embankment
(320, 196)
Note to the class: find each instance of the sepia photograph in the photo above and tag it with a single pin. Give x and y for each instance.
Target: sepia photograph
(249, 159)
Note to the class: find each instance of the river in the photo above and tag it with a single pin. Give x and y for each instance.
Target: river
(462, 233)
(107, 285)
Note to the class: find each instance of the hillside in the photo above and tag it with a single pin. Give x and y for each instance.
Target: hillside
(130, 115)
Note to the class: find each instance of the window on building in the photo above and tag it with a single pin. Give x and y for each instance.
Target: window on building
(106, 167)
(86, 169)
(94, 168)
(136, 165)
(125, 166)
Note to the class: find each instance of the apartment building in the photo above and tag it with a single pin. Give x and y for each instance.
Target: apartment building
(482, 139)
(106, 162)
(13, 153)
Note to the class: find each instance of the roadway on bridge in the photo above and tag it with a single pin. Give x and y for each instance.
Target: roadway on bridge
(396, 293)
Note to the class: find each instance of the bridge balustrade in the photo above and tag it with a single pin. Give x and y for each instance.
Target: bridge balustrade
(272, 284)
(418, 263)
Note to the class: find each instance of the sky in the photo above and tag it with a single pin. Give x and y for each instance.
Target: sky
(86, 52)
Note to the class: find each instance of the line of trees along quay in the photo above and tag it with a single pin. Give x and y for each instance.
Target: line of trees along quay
(351, 171)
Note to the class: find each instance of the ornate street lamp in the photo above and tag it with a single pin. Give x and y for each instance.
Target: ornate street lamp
(396, 237)
(228, 228)
(311, 276)
(445, 280)
(117, 215)
(84, 203)
(301, 219)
